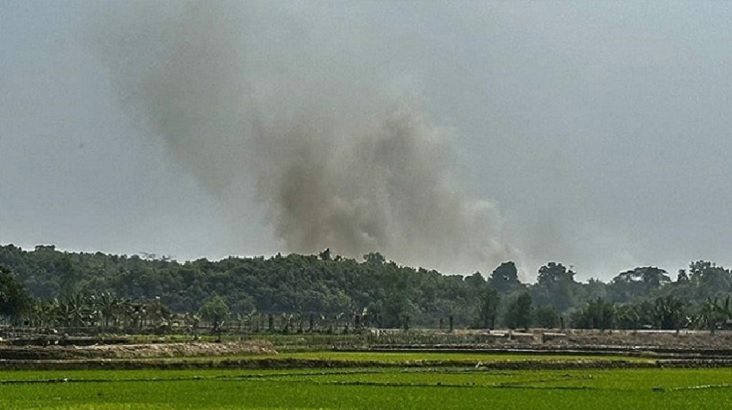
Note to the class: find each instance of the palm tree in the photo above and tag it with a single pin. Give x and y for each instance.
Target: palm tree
(75, 311)
(156, 314)
(109, 307)
(192, 321)
(714, 314)
(669, 312)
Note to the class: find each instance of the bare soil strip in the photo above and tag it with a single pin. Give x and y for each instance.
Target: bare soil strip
(133, 351)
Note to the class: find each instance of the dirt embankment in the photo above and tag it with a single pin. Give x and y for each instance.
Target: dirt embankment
(685, 344)
(668, 339)
(578, 337)
(135, 351)
(662, 349)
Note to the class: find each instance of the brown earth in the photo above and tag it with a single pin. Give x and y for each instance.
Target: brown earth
(687, 344)
(135, 351)
(670, 338)
(667, 349)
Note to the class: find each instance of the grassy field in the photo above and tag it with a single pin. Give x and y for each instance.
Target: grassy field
(299, 379)
(368, 388)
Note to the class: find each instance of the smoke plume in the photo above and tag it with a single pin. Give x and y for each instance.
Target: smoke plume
(254, 101)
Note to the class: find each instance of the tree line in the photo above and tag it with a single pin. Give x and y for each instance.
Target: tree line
(45, 287)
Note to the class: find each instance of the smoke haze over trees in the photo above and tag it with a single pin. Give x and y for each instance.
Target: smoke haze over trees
(450, 135)
(339, 160)
(376, 291)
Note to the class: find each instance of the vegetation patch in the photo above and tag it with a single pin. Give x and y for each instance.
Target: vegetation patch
(379, 387)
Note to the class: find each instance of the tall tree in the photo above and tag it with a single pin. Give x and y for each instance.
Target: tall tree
(505, 279)
(597, 314)
(639, 282)
(669, 312)
(216, 311)
(14, 301)
(489, 302)
(713, 314)
(518, 312)
(556, 287)
(709, 280)
(546, 317)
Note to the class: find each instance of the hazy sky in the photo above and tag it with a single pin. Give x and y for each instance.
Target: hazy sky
(598, 133)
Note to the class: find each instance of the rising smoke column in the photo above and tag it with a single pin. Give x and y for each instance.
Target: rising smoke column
(337, 159)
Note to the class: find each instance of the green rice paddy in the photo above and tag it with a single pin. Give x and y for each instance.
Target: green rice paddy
(367, 388)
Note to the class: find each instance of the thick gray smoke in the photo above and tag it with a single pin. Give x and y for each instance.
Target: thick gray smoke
(256, 102)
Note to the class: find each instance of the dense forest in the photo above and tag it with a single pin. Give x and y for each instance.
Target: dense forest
(47, 287)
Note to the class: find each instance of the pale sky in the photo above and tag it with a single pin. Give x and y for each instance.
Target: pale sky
(599, 130)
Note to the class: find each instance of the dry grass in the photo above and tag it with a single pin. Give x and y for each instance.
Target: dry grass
(138, 351)
(196, 349)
